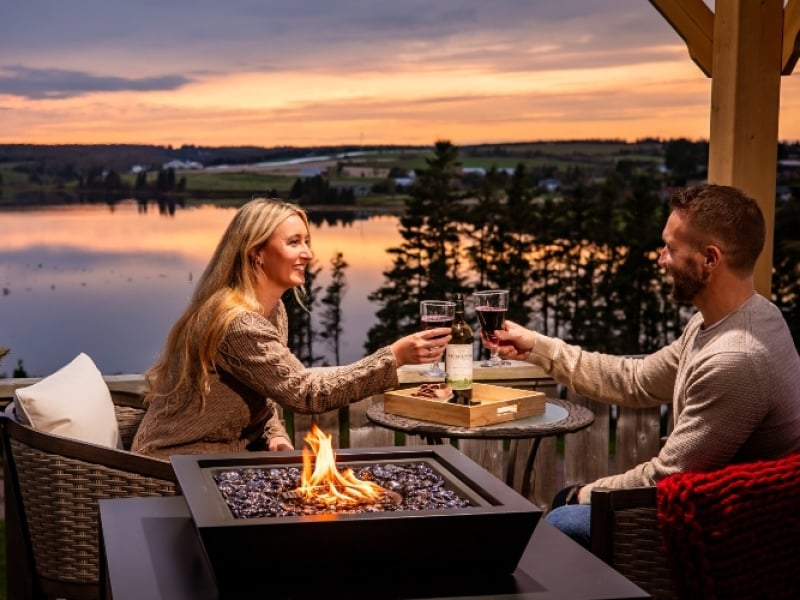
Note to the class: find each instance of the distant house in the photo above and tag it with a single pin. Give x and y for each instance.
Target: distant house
(360, 190)
(405, 182)
(549, 184)
(181, 165)
(473, 171)
(783, 193)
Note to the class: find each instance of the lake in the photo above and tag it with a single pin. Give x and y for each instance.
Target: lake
(110, 280)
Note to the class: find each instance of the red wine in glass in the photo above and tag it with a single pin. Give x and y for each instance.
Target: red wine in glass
(491, 318)
(436, 313)
(434, 321)
(491, 307)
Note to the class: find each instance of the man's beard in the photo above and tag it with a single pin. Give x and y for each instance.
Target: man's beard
(686, 285)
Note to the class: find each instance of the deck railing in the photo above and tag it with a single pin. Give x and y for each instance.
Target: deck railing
(617, 440)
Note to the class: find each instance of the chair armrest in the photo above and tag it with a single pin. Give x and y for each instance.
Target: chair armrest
(626, 534)
(69, 448)
(635, 505)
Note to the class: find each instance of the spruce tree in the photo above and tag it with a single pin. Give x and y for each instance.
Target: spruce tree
(426, 263)
(301, 329)
(331, 319)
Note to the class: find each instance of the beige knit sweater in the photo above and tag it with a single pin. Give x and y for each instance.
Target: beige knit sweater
(734, 388)
(255, 370)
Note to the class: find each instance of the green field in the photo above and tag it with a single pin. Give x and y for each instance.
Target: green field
(235, 181)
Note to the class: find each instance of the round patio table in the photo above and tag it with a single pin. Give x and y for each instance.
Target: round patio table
(559, 417)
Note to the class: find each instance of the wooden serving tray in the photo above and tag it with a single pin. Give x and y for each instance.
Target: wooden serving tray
(498, 405)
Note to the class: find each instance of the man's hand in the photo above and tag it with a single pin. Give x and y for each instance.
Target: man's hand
(515, 341)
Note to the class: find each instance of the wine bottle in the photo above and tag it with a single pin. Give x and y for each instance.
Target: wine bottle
(458, 357)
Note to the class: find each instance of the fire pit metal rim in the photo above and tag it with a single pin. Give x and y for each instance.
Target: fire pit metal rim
(208, 508)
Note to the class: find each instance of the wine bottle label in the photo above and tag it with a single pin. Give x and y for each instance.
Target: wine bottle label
(458, 365)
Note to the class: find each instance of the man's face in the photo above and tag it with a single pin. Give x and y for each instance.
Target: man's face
(682, 260)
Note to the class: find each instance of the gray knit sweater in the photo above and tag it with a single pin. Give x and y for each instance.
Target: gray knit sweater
(255, 370)
(734, 388)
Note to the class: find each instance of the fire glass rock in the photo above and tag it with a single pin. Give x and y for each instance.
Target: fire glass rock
(269, 492)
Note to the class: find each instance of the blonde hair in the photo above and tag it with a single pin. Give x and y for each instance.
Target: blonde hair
(226, 288)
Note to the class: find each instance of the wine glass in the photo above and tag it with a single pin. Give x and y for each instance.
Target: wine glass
(491, 307)
(436, 313)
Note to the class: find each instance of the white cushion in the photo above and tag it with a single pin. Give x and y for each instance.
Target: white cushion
(74, 402)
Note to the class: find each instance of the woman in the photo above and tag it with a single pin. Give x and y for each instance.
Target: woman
(226, 362)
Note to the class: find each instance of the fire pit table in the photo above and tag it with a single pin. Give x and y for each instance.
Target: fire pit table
(466, 518)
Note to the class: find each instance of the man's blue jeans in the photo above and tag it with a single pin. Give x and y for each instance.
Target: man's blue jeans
(573, 520)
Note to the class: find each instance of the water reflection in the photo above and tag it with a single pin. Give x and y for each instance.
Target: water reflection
(110, 280)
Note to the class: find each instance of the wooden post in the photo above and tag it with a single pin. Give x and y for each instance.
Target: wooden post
(745, 102)
(751, 47)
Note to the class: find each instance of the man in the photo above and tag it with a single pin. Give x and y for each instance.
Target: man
(733, 376)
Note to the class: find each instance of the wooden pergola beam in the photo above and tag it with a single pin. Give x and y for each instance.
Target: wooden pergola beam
(694, 22)
(791, 36)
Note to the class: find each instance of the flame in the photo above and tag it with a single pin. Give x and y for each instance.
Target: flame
(322, 482)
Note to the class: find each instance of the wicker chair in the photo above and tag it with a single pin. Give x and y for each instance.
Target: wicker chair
(625, 533)
(52, 487)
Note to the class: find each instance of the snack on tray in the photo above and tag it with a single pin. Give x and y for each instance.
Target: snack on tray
(433, 390)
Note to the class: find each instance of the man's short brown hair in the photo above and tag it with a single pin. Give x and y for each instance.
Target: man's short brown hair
(727, 217)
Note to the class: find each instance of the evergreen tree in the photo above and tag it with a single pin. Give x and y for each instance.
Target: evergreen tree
(501, 231)
(685, 159)
(19, 370)
(640, 301)
(484, 225)
(576, 259)
(301, 329)
(435, 197)
(631, 218)
(426, 264)
(549, 252)
(786, 261)
(331, 319)
(513, 269)
(141, 181)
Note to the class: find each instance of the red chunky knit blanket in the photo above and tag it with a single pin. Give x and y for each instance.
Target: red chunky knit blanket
(734, 532)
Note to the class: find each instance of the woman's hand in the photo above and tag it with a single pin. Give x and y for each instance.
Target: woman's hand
(422, 347)
(280, 444)
(515, 341)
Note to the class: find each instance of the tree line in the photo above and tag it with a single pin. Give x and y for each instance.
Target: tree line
(580, 264)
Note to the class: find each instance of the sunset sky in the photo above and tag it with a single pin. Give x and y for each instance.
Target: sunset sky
(318, 72)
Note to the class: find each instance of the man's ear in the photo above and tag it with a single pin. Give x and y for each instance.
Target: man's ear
(713, 254)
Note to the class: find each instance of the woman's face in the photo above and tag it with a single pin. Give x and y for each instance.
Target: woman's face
(287, 253)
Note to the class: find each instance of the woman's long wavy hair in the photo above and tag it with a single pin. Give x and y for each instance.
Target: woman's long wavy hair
(226, 288)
